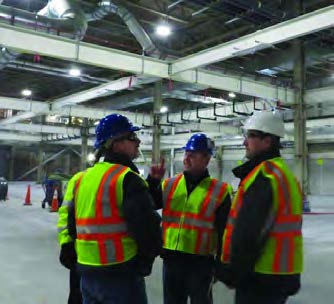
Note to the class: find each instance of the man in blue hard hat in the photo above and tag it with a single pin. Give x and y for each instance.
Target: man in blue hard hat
(195, 207)
(117, 229)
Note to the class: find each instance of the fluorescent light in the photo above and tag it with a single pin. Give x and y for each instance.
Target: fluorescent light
(26, 92)
(231, 94)
(163, 109)
(74, 72)
(163, 30)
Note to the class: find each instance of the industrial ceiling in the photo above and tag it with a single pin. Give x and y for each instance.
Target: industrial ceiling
(265, 52)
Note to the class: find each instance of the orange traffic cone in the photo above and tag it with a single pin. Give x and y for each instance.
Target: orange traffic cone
(54, 203)
(27, 201)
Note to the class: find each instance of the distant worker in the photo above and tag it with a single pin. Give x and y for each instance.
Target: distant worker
(56, 181)
(262, 252)
(195, 207)
(118, 231)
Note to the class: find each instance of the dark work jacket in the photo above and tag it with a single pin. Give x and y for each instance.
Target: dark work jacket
(142, 220)
(220, 219)
(251, 233)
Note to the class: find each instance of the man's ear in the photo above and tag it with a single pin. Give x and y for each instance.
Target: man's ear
(267, 140)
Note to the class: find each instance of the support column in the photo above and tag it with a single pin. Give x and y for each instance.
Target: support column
(156, 121)
(67, 164)
(301, 151)
(172, 157)
(11, 163)
(84, 143)
(219, 159)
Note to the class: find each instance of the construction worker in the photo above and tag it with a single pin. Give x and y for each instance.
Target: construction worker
(118, 231)
(262, 252)
(195, 207)
(66, 237)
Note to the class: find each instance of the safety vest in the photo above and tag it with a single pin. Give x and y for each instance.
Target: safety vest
(102, 234)
(188, 221)
(283, 251)
(63, 233)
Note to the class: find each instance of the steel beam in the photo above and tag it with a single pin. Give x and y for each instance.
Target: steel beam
(262, 39)
(26, 40)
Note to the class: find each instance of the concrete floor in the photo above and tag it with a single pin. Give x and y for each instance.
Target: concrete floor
(31, 274)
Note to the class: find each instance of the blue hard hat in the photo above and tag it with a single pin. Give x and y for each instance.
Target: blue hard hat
(199, 142)
(110, 126)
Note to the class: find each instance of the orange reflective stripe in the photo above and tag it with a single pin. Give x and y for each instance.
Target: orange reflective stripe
(226, 252)
(207, 200)
(222, 193)
(283, 185)
(283, 259)
(107, 193)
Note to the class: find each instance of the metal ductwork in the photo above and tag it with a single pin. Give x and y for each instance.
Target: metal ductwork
(63, 15)
(6, 56)
(64, 11)
(107, 7)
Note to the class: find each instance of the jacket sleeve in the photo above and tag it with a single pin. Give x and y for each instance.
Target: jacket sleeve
(142, 219)
(155, 189)
(66, 226)
(221, 216)
(251, 230)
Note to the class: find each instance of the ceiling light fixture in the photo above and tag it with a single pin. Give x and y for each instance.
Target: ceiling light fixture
(163, 109)
(231, 94)
(26, 92)
(74, 72)
(163, 30)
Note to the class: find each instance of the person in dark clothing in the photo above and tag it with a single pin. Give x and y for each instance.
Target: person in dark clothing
(194, 212)
(118, 232)
(262, 245)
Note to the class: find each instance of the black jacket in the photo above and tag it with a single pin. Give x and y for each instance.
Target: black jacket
(250, 234)
(142, 220)
(220, 217)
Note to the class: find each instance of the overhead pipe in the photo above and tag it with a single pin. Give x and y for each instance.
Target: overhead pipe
(110, 7)
(6, 56)
(59, 72)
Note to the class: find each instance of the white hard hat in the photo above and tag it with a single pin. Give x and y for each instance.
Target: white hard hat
(267, 122)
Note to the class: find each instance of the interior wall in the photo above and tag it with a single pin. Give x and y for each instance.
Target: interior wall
(4, 163)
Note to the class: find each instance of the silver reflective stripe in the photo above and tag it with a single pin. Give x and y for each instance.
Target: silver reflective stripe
(283, 184)
(170, 219)
(188, 221)
(270, 221)
(168, 189)
(110, 228)
(68, 204)
(60, 229)
(204, 241)
(284, 262)
(231, 221)
(213, 199)
(106, 207)
(110, 251)
(287, 227)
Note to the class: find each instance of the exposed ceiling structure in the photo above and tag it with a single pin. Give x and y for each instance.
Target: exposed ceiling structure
(216, 47)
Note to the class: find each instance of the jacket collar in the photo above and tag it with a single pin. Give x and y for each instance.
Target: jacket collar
(122, 159)
(243, 170)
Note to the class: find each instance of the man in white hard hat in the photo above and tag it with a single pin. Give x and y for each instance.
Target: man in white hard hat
(262, 254)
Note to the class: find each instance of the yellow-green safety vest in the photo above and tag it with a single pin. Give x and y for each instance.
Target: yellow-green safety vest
(188, 222)
(283, 251)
